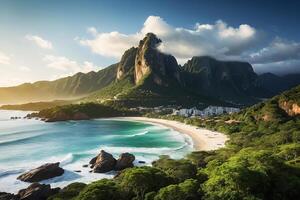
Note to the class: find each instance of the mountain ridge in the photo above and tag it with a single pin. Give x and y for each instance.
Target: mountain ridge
(146, 72)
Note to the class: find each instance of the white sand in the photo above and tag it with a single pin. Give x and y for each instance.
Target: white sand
(204, 140)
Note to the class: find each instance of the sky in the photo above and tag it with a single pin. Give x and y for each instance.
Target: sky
(46, 40)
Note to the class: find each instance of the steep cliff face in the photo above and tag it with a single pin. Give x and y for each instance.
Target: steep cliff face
(127, 62)
(227, 80)
(151, 62)
(291, 108)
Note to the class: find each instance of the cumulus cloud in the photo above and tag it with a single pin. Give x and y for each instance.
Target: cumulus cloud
(69, 66)
(111, 44)
(216, 39)
(277, 51)
(4, 58)
(92, 30)
(39, 41)
(24, 68)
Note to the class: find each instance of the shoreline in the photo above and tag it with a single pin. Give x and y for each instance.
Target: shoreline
(203, 139)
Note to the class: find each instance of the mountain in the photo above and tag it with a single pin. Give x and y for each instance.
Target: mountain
(276, 84)
(75, 86)
(146, 76)
(226, 80)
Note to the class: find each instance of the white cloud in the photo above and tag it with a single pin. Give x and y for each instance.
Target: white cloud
(111, 44)
(45, 44)
(277, 51)
(4, 58)
(92, 30)
(217, 39)
(68, 66)
(279, 67)
(24, 68)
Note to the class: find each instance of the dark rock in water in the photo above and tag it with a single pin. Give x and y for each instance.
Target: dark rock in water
(93, 161)
(85, 165)
(37, 191)
(77, 171)
(125, 161)
(43, 172)
(105, 162)
(8, 196)
(142, 162)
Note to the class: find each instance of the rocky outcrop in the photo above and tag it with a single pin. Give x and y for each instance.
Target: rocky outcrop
(37, 191)
(105, 162)
(127, 62)
(150, 61)
(291, 108)
(8, 196)
(125, 161)
(43, 172)
(62, 116)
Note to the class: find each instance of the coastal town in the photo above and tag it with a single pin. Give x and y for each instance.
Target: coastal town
(189, 112)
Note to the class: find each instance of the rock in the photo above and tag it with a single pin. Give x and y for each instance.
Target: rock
(142, 162)
(125, 161)
(105, 162)
(85, 165)
(291, 108)
(93, 161)
(77, 171)
(80, 116)
(43, 172)
(37, 191)
(126, 63)
(8, 196)
(150, 61)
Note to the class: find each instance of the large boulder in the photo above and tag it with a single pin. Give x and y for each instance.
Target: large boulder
(125, 161)
(37, 191)
(105, 162)
(43, 172)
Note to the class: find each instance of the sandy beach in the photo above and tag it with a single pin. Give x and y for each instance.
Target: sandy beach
(203, 139)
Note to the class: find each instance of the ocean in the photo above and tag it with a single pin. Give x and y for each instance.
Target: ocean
(26, 144)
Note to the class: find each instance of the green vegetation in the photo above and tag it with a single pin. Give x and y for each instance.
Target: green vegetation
(261, 161)
(71, 87)
(69, 192)
(82, 111)
(37, 106)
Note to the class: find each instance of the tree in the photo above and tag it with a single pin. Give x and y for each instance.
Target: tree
(140, 180)
(187, 190)
(102, 190)
(179, 170)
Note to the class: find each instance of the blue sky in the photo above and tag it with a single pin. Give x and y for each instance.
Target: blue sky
(44, 40)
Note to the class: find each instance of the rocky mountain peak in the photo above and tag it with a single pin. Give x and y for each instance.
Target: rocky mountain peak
(150, 61)
(127, 62)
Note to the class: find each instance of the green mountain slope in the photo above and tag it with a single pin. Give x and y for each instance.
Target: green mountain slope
(65, 88)
(261, 161)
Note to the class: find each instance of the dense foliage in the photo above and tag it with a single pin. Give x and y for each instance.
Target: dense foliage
(91, 110)
(260, 162)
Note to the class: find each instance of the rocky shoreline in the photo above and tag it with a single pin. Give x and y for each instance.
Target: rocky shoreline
(102, 163)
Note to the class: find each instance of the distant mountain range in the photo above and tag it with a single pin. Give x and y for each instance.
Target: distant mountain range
(146, 76)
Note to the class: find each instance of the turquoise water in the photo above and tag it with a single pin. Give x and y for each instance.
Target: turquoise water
(25, 144)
